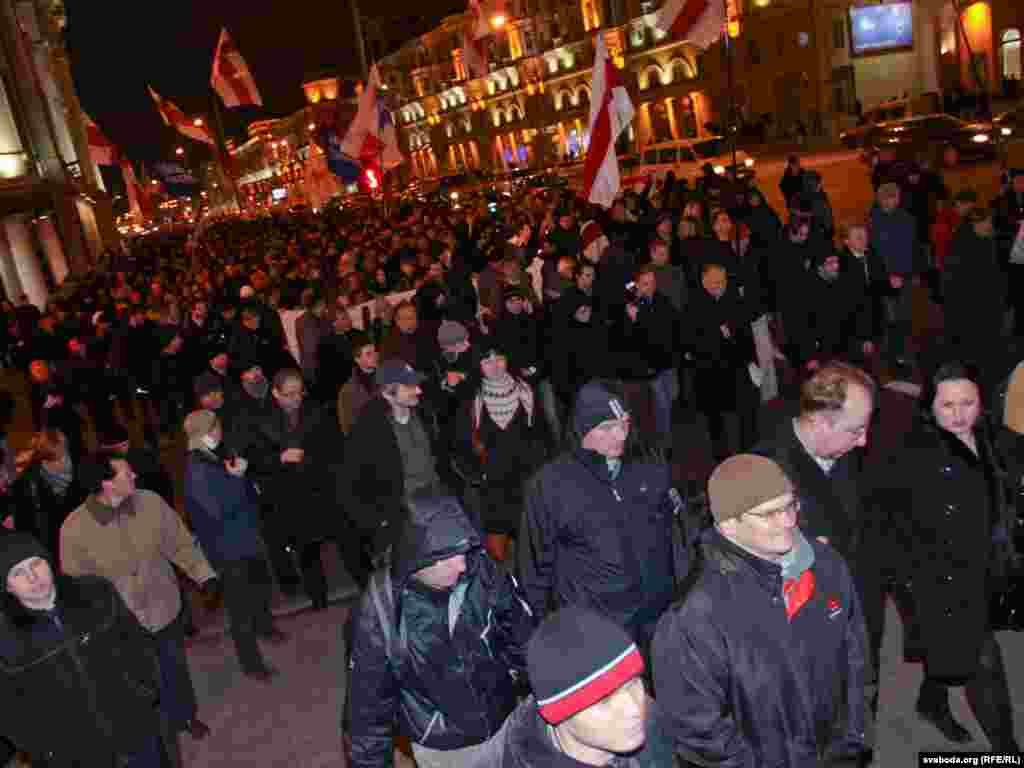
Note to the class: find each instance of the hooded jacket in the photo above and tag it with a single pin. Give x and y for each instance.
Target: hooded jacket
(448, 679)
(77, 696)
(745, 684)
(524, 742)
(589, 540)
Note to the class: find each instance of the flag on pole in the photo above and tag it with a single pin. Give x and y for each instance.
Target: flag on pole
(697, 21)
(474, 42)
(371, 135)
(610, 114)
(131, 186)
(179, 121)
(231, 78)
(102, 149)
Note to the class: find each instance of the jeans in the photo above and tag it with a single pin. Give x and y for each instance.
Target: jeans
(901, 308)
(177, 694)
(247, 600)
(445, 758)
(150, 756)
(665, 390)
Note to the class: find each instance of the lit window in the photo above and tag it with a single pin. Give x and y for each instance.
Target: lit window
(1009, 49)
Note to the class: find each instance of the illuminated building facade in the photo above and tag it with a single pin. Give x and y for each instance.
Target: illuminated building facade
(55, 217)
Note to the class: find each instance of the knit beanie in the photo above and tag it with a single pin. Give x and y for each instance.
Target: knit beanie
(575, 659)
(451, 333)
(16, 547)
(594, 405)
(197, 426)
(743, 482)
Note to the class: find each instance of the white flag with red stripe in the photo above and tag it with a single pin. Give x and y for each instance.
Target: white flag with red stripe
(102, 150)
(179, 121)
(231, 78)
(611, 111)
(371, 135)
(474, 42)
(697, 21)
(131, 187)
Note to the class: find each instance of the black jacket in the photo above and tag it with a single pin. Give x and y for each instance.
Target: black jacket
(830, 504)
(837, 317)
(936, 509)
(789, 693)
(589, 540)
(447, 681)
(372, 479)
(721, 363)
(974, 286)
(525, 742)
(651, 341)
(38, 509)
(76, 697)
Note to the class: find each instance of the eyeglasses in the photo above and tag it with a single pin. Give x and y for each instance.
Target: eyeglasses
(793, 508)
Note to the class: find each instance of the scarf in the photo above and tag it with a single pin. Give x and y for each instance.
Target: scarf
(502, 397)
(797, 576)
(60, 480)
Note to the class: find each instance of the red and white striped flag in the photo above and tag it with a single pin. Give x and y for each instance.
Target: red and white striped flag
(102, 149)
(474, 42)
(231, 78)
(131, 186)
(371, 135)
(179, 121)
(611, 111)
(697, 21)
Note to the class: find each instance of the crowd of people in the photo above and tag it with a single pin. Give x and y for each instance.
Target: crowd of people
(476, 403)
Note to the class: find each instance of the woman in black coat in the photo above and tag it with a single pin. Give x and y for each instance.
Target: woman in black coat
(720, 345)
(498, 432)
(78, 674)
(943, 529)
(47, 490)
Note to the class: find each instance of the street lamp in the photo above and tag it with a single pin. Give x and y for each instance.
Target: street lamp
(198, 122)
(312, 126)
(498, 20)
(179, 151)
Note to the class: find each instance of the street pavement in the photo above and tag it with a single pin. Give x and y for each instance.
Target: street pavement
(294, 721)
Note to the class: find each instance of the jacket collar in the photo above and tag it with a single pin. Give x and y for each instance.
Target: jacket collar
(105, 515)
(727, 558)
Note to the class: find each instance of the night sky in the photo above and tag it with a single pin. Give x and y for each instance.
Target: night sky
(118, 47)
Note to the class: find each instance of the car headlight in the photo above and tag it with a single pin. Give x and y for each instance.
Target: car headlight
(749, 162)
(719, 169)
(1006, 131)
(979, 138)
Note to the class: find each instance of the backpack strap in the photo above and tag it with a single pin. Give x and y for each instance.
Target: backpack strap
(384, 603)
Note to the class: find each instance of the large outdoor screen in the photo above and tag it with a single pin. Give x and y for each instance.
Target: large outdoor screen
(880, 28)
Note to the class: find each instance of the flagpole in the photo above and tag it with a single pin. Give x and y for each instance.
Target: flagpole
(223, 148)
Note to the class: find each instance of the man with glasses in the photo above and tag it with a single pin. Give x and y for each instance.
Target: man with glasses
(289, 448)
(597, 526)
(763, 660)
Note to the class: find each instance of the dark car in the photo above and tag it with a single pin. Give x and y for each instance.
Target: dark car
(1009, 126)
(943, 137)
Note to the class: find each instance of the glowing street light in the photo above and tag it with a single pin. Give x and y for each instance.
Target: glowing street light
(498, 20)
(179, 151)
(198, 122)
(312, 126)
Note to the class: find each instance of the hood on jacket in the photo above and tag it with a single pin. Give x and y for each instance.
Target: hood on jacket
(436, 528)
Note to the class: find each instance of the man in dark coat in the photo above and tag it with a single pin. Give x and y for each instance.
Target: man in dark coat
(1009, 218)
(290, 449)
(456, 628)
(791, 693)
(589, 703)
(597, 527)
(894, 238)
(73, 658)
(394, 452)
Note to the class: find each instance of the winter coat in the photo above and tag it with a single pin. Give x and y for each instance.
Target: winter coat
(372, 479)
(721, 363)
(447, 680)
(944, 229)
(525, 742)
(418, 349)
(78, 696)
(650, 342)
(224, 510)
(743, 685)
(589, 540)
(940, 515)
(518, 336)
(309, 331)
(893, 236)
(974, 287)
(304, 494)
(1009, 208)
(830, 504)
(335, 364)
(673, 285)
(38, 509)
(353, 397)
(836, 318)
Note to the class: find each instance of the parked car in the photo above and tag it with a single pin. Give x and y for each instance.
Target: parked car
(946, 138)
(1010, 125)
(687, 157)
(887, 111)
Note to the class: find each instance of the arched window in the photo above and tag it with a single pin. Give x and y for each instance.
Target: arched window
(1009, 51)
(681, 71)
(583, 97)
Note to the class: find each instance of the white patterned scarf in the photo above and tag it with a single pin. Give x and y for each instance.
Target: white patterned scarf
(502, 397)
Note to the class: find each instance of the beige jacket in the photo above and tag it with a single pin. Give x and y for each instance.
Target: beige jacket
(133, 546)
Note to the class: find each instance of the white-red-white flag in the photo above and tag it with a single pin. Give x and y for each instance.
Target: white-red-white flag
(102, 150)
(231, 78)
(697, 21)
(611, 111)
(371, 136)
(474, 41)
(179, 121)
(131, 186)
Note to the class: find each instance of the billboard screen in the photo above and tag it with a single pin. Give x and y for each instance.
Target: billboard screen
(881, 28)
